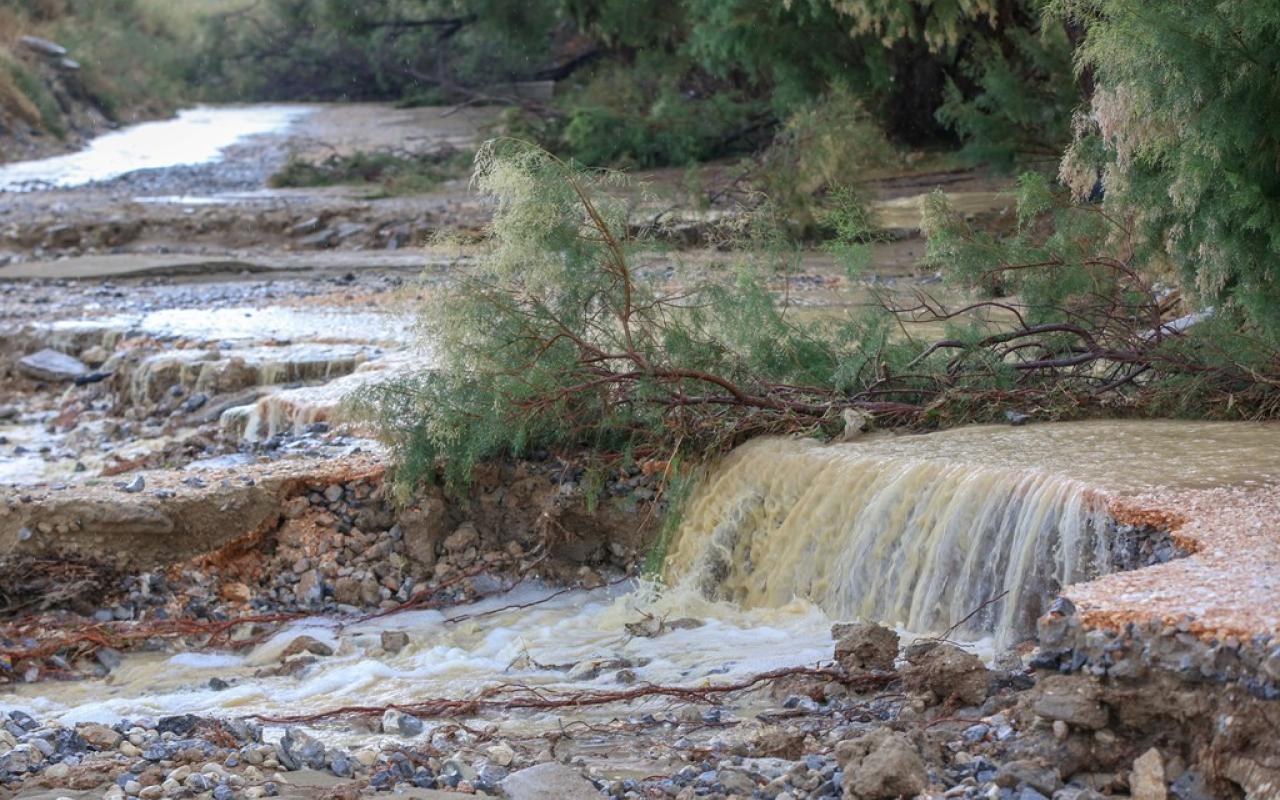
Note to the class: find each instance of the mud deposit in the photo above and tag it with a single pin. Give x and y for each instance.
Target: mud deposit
(209, 588)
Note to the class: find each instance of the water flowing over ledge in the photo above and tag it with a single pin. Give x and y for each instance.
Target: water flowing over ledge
(912, 542)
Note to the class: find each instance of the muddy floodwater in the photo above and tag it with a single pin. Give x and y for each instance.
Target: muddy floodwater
(184, 352)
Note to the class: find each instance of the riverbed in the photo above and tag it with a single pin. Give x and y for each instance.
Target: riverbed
(221, 348)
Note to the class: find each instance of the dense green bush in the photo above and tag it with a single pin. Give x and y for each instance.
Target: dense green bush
(551, 340)
(374, 50)
(1185, 131)
(1019, 104)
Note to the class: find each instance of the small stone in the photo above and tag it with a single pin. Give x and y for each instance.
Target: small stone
(1030, 773)
(1190, 786)
(297, 750)
(306, 644)
(43, 46)
(501, 754)
(136, 485)
(95, 356)
(394, 641)
(463, 537)
(423, 779)
(341, 766)
(736, 781)
(881, 763)
(394, 721)
(99, 737)
(943, 671)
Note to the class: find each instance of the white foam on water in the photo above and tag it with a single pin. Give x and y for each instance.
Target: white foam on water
(206, 660)
(534, 646)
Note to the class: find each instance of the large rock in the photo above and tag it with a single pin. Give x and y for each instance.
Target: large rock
(1074, 699)
(1147, 781)
(881, 764)
(865, 646)
(423, 527)
(297, 750)
(43, 46)
(944, 671)
(1027, 772)
(465, 536)
(50, 365)
(549, 781)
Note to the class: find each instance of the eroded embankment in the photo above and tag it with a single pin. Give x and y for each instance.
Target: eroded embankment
(1120, 697)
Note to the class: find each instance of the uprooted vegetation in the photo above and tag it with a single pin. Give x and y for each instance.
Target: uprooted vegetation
(558, 338)
(390, 173)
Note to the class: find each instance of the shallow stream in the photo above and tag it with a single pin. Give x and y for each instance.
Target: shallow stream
(195, 136)
(974, 493)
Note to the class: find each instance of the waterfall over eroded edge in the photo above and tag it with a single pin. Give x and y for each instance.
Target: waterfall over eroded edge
(910, 541)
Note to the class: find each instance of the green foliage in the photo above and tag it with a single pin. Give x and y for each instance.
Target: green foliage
(1064, 239)
(1022, 102)
(1088, 328)
(1187, 108)
(34, 91)
(830, 144)
(649, 113)
(941, 24)
(393, 173)
(551, 341)
(374, 50)
(796, 50)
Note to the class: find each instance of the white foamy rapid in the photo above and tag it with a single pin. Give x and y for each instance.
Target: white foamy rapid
(538, 647)
(907, 541)
(195, 136)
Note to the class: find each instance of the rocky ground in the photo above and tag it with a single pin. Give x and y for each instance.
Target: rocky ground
(880, 722)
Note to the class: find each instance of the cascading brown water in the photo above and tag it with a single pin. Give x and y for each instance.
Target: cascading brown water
(870, 532)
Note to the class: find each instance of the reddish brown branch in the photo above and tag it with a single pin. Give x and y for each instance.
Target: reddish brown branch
(510, 697)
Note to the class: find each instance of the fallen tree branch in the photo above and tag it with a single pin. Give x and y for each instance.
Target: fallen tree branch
(512, 697)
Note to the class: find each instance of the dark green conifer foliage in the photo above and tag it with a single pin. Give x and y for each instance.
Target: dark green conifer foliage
(1186, 130)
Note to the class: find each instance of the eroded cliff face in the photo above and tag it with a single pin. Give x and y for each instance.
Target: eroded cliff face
(46, 105)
